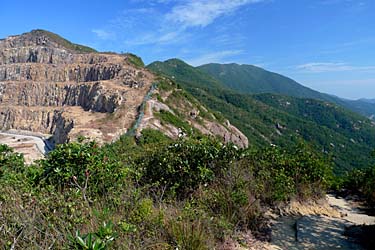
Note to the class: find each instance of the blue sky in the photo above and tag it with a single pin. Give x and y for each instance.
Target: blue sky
(328, 45)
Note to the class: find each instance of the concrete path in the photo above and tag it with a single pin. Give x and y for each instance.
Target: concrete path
(317, 232)
(351, 211)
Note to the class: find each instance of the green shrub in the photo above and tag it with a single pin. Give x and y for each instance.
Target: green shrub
(82, 166)
(99, 240)
(10, 161)
(363, 181)
(135, 60)
(180, 167)
(168, 117)
(152, 136)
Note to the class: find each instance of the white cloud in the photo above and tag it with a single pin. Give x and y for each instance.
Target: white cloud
(103, 34)
(319, 67)
(202, 13)
(218, 57)
(165, 22)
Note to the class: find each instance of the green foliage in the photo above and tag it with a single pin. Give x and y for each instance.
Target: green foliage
(300, 173)
(165, 84)
(188, 235)
(182, 166)
(254, 80)
(183, 73)
(82, 166)
(168, 117)
(99, 240)
(10, 161)
(152, 136)
(135, 60)
(251, 79)
(362, 181)
(187, 194)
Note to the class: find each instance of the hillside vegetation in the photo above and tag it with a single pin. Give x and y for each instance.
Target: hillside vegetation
(153, 193)
(254, 80)
(283, 121)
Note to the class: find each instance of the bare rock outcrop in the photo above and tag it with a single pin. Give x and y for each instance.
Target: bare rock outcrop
(229, 133)
(188, 112)
(48, 85)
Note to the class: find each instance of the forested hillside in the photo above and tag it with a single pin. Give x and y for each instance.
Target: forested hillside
(283, 121)
(254, 80)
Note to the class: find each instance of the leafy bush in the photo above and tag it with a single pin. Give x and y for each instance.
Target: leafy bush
(182, 166)
(82, 166)
(9, 160)
(363, 181)
(152, 136)
(280, 175)
(99, 240)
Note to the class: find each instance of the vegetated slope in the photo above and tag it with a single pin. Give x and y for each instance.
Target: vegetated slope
(251, 79)
(185, 74)
(367, 100)
(264, 122)
(254, 80)
(353, 132)
(176, 113)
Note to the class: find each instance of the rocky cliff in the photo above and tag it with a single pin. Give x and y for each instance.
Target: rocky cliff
(56, 89)
(51, 86)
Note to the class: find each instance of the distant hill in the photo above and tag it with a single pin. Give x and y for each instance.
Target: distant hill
(281, 120)
(176, 68)
(254, 80)
(367, 100)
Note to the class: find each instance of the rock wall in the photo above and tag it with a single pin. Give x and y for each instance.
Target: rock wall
(48, 88)
(90, 96)
(26, 119)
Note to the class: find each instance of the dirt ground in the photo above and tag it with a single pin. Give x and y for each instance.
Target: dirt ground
(26, 145)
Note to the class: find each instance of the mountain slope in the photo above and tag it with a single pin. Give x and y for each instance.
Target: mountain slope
(176, 68)
(254, 80)
(251, 79)
(265, 121)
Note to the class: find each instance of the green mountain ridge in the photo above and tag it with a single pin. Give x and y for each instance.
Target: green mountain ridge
(281, 120)
(254, 80)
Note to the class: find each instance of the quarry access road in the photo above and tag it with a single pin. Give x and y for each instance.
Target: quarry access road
(41, 144)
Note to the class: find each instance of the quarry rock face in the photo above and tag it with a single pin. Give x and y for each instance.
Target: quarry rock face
(50, 86)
